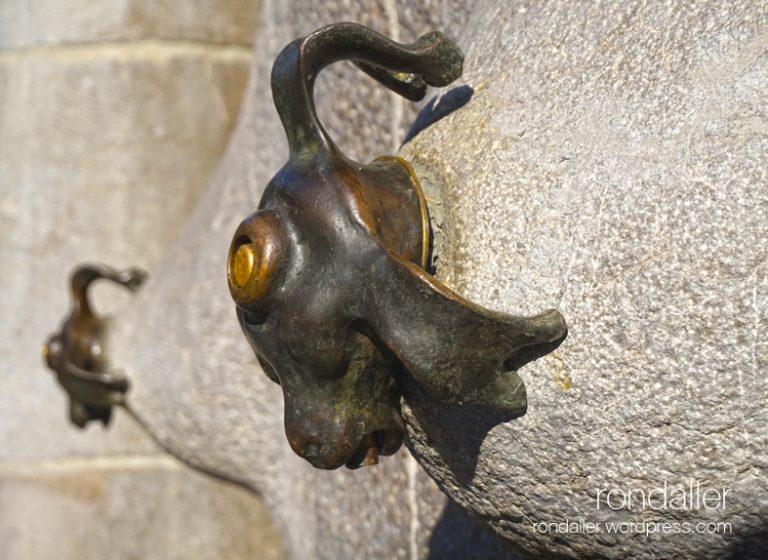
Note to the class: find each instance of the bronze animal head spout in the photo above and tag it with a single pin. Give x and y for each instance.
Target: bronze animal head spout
(329, 273)
(77, 353)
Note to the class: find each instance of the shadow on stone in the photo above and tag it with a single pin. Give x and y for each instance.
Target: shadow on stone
(457, 535)
(456, 431)
(749, 546)
(439, 108)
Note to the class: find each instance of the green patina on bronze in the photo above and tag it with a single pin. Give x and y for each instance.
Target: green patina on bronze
(329, 273)
(77, 353)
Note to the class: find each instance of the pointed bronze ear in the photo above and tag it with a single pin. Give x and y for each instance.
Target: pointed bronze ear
(455, 349)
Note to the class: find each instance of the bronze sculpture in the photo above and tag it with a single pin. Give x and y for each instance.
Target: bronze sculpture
(329, 273)
(77, 353)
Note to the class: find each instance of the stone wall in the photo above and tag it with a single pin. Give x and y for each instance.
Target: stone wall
(112, 117)
(611, 163)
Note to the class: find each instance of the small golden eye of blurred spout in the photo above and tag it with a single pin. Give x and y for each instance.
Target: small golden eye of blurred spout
(242, 264)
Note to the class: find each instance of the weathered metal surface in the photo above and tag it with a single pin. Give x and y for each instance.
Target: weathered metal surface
(77, 353)
(329, 273)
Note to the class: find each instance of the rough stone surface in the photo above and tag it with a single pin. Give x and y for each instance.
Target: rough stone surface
(23, 24)
(611, 163)
(201, 392)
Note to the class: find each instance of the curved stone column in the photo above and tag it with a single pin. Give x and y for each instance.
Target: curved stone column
(611, 163)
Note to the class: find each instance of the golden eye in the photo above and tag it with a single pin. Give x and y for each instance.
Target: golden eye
(242, 264)
(257, 251)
